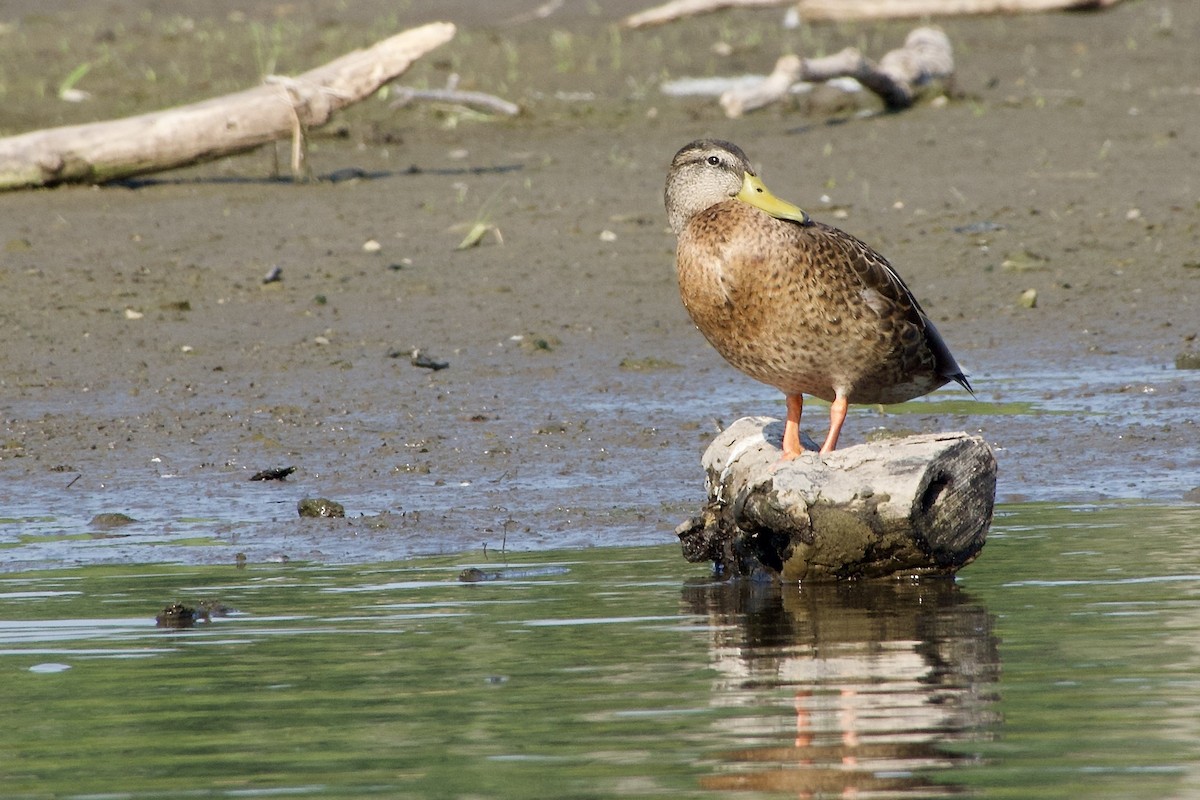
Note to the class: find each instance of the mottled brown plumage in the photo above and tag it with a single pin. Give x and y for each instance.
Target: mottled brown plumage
(796, 304)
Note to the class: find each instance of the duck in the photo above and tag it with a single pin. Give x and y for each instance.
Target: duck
(793, 302)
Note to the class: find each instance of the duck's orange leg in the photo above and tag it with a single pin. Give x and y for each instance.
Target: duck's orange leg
(791, 427)
(837, 416)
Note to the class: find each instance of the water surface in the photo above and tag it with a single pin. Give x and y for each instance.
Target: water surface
(1063, 663)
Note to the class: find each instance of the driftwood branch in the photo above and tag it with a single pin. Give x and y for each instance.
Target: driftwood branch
(487, 103)
(279, 108)
(678, 9)
(920, 505)
(926, 57)
(815, 10)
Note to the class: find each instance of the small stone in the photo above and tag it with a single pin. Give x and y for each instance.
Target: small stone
(1187, 360)
(1029, 298)
(132, 314)
(371, 246)
(320, 507)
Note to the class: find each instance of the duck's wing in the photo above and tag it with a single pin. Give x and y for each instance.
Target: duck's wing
(888, 294)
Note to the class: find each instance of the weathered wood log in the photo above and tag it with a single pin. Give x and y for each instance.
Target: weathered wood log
(926, 57)
(815, 10)
(920, 505)
(677, 9)
(280, 107)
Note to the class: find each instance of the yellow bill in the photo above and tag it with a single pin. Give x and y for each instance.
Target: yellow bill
(758, 195)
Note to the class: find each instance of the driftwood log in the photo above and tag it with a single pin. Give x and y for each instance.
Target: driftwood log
(920, 505)
(280, 107)
(925, 58)
(815, 10)
(678, 9)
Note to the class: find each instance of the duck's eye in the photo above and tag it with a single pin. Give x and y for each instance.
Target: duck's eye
(714, 161)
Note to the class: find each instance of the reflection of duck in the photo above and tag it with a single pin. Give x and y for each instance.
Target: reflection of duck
(887, 679)
(794, 303)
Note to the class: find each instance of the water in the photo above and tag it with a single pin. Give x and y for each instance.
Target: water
(1064, 663)
(624, 470)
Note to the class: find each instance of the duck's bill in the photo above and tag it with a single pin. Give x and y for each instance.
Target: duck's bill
(758, 195)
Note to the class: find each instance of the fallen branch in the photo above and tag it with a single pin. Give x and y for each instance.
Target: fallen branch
(926, 57)
(455, 96)
(281, 107)
(815, 10)
(678, 9)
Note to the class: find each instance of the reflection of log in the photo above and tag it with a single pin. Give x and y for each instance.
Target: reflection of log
(281, 107)
(920, 505)
(813, 10)
(926, 650)
(926, 57)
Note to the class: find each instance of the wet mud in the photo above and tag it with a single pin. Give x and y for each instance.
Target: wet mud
(168, 338)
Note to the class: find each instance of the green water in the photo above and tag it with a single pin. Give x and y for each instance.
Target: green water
(1064, 663)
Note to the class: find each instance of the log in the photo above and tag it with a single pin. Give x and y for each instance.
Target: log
(678, 9)
(816, 10)
(926, 57)
(842, 10)
(104, 151)
(913, 506)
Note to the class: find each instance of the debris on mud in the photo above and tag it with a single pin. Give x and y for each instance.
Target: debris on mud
(276, 474)
(112, 520)
(320, 507)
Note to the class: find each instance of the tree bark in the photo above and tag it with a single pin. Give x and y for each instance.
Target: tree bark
(280, 107)
(921, 505)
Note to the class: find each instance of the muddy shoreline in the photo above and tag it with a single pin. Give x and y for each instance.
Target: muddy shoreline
(149, 370)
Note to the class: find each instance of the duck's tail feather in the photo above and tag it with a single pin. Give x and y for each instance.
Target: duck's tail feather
(944, 362)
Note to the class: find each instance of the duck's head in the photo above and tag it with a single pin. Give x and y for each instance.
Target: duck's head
(710, 171)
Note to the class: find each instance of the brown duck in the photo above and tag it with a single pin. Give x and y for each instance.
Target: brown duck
(794, 303)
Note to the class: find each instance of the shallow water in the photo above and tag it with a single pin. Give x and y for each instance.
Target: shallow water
(605, 477)
(1064, 663)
